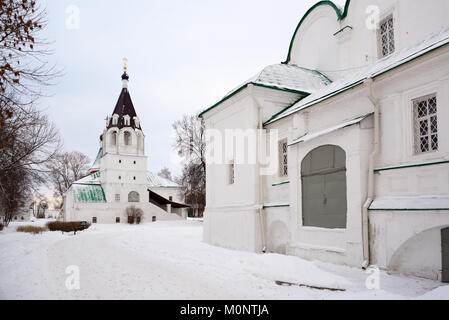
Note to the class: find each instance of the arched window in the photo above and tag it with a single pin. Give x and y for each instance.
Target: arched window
(133, 196)
(113, 138)
(323, 174)
(127, 136)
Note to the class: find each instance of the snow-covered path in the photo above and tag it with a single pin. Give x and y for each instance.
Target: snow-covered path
(167, 260)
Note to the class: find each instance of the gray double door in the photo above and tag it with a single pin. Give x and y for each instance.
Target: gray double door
(323, 174)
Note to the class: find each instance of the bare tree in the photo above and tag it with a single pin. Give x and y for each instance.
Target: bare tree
(66, 168)
(14, 192)
(190, 144)
(31, 140)
(193, 179)
(190, 139)
(23, 69)
(27, 138)
(134, 214)
(165, 173)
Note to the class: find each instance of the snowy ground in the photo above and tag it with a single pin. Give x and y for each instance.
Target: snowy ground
(167, 260)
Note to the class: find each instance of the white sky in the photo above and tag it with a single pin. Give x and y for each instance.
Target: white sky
(183, 56)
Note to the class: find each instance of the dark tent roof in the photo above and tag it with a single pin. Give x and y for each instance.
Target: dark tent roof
(124, 107)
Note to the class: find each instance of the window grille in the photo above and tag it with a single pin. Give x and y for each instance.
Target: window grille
(283, 161)
(387, 43)
(426, 124)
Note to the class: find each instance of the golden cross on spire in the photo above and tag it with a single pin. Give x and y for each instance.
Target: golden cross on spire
(124, 64)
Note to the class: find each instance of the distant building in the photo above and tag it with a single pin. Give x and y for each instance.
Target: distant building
(119, 176)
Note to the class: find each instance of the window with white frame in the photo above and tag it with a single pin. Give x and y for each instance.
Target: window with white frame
(231, 173)
(283, 158)
(426, 124)
(386, 36)
(117, 197)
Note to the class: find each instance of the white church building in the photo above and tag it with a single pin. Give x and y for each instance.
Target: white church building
(119, 177)
(361, 110)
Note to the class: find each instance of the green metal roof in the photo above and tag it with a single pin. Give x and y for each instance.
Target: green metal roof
(89, 189)
(88, 193)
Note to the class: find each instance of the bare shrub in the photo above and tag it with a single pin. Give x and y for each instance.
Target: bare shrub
(67, 226)
(135, 215)
(31, 229)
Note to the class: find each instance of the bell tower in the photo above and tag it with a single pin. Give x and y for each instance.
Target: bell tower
(123, 165)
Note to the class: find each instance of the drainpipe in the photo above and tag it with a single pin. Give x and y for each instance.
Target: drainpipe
(370, 195)
(260, 184)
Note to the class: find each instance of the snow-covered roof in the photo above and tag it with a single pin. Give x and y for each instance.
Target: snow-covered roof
(313, 135)
(157, 181)
(96, 164)
(411, 203)
(93, 178)
(432, 42)
(283, 77)
(291, 77)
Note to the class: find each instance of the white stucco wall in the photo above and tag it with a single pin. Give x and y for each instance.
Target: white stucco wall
(316, 47)
(402, 241)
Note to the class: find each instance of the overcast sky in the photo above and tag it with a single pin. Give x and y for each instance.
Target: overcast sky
(183, 56)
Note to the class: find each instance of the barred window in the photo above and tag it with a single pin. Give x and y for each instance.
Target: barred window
(387, 44)
(283, 158)
(426, 124)
(231, 173)
(117, 197)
